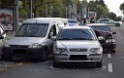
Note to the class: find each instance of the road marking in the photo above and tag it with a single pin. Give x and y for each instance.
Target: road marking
(110, 67)
(109, 56)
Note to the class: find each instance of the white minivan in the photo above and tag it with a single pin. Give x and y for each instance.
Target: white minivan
(77, 44)
(33, 39)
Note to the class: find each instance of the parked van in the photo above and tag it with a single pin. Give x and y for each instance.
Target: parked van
(33, 39)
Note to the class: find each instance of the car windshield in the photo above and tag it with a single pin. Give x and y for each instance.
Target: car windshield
(103, 21)
(75, 34)
(103, 28)
(32, 30)
(72, 21)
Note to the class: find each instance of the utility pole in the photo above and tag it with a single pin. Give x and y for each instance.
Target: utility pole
(31, 8)
(16, 15)
(81, 18)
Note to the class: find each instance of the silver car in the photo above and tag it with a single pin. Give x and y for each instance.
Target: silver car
(77, 44)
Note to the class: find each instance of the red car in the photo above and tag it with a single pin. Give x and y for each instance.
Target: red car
(109, 44)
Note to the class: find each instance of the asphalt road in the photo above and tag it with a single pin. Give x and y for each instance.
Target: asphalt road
(113, 66)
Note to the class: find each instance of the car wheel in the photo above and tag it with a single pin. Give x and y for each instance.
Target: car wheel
(0, 55)
(41, 58)
(44, 56)
(55, 64)
(99, 64)
(117, 25)
(113, 51)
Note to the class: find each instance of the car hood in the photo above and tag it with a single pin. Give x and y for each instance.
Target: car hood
(25, 40)
(102, 33)
(78, 44)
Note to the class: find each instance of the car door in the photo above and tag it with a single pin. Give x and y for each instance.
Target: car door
(2, 34)
(49, 42)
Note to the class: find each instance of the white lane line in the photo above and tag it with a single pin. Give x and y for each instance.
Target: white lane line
(109, 56)
(110, 67)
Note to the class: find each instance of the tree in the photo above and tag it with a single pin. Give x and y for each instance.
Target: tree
(99, 7)
(112, 16)
(8, 2)
(122, 7)
(119, 18)
(101, 2)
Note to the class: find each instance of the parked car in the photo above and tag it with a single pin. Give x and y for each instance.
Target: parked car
(2, 39)
(33, 39)
(109, 45)
(77, 44)
(110, 22)
(73, 22)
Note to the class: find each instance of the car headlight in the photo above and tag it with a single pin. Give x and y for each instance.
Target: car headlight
(60, 50)
(95, 50)
(6, 44)
(35, 45)
(110, 40)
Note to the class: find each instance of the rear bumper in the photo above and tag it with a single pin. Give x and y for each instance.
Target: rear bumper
(109, 46)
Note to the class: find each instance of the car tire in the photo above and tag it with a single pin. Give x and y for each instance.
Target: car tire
(0, 55)
(99, 64)
(55, 64)
(113, 51)
(117, 25)
(44, 55)
(41, 58)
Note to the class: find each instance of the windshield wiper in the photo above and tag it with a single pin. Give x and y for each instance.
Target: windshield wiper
(20, 35)
(33, 36)
(65, 39)
(81, 39)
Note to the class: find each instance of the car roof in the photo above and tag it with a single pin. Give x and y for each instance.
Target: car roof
(72, 19)
(97, 24)
(41, 20)
(77, 27)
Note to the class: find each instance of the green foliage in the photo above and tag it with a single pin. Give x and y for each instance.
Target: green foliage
(58, 8)
(112, 16)
(99, 7)
(8, 2)
(122, 7)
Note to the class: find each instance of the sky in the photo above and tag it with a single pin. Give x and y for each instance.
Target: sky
(114, 5)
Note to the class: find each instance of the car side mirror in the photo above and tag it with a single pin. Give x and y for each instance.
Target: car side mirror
(1, 37)
(53, 38)
(101, 39)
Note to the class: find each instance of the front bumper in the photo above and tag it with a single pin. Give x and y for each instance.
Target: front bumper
(109, 46)
(77, 58)
(22, 52)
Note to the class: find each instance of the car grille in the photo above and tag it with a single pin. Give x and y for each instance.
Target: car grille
(19, 46)
(78, 50)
